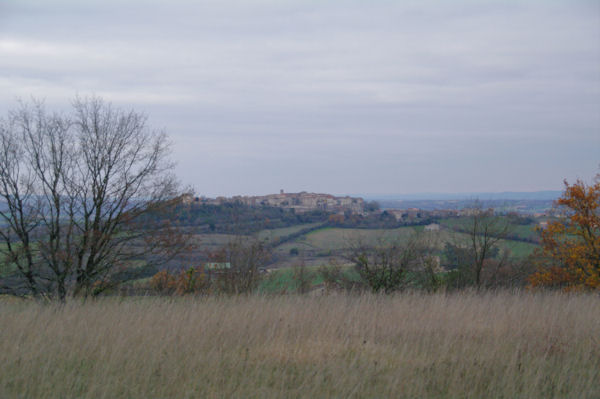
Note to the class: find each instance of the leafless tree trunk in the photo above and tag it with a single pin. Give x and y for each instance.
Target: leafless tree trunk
(385, 265)
(245, 256)
(302, 277)
(84, 196)
(484, 230)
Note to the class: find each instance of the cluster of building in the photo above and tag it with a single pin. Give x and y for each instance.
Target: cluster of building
(300, 202)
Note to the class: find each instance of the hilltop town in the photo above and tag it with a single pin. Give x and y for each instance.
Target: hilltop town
(299, 202)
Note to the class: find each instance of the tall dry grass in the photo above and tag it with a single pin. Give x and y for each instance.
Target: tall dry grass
(494, 345)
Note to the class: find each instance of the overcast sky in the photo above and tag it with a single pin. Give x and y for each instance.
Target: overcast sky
(333, 96)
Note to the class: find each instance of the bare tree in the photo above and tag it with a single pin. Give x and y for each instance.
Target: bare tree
(476, 252)
(302, 277)
(386, 264)
(84, 197)
(244, 256)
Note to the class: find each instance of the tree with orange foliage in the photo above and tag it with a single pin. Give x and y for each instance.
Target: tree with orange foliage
(192, 281)
(188, 281)
(163, 283)
(571, 246)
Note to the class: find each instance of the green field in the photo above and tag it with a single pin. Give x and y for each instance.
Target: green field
(284, 280)
(273, 234)
(337, 238)
(525, 231)
(331, 240)
(522, 231)
(518, 249)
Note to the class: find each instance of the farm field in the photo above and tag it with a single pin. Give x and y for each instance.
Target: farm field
(518, 249)
(334, 240)
(521, 231)
(526, 231)
(468, 345)
(283, 281)
(338, 238)
(321, 245)
(272, 234)
(214, 241)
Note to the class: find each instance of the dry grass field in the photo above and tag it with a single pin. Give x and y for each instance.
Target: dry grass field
(492, 345)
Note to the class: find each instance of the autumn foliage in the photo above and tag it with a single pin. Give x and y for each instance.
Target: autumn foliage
(571, 246)
(187, 281)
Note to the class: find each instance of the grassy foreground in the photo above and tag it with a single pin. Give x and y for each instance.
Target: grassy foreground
(494, 345)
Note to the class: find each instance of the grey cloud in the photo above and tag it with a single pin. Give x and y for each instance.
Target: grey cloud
(345, 96)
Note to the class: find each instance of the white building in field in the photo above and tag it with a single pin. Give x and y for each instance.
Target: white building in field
(432, 227)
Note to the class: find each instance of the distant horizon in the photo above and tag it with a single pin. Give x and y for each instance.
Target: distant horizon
(484, 195)
(542, 195)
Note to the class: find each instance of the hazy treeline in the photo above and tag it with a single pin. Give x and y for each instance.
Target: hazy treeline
(238, 218)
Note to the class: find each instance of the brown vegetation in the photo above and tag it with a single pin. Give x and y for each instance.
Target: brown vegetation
(570, 254)
(491, 345)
